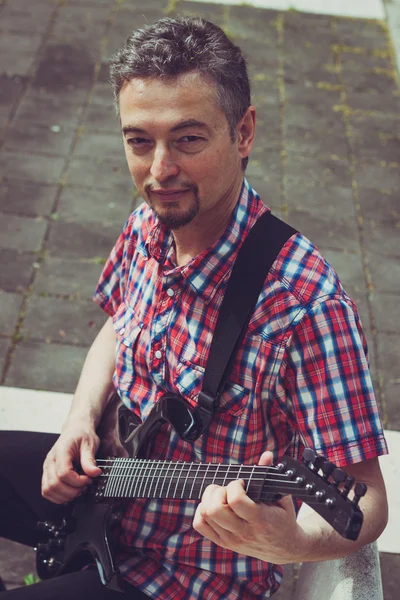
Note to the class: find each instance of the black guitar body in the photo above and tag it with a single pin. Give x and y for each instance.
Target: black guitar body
(86, 531)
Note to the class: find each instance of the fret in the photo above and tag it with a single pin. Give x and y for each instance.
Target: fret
(120, 479)
(127, 478)
(249, 480)
(161, 493)
(143, 480)
(171, 479)
(203, 482)
(216, 473)
(178, 479)
(186, 480)
(150, 480)
(138, 478)
(227, 468)
(194, 480)
(109, 480)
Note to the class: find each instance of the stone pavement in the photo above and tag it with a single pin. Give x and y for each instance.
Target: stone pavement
(327, 158)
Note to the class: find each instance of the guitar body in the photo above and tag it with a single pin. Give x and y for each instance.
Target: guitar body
(91, 522)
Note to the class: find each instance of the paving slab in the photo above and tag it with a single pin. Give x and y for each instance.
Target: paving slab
(22, 233)
(46, 366)
(10, 306)
(72, 322)
(15, 270)
(20, 197)
(82, 240)
(68, 277)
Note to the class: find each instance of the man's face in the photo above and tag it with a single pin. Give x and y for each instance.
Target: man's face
(178, 147)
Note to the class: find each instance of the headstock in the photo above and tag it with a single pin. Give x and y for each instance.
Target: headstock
(321, 485)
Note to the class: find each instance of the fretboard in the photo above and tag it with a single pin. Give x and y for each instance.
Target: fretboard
(142, 478)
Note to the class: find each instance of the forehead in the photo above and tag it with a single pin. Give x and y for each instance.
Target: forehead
(145, 102)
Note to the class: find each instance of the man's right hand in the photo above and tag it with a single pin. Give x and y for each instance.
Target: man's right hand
(76, 445)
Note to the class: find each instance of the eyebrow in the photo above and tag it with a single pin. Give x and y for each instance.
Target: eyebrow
(183, 125)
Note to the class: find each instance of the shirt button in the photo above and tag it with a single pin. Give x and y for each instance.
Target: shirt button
(170, 292)
(158, 354)
(122, 331)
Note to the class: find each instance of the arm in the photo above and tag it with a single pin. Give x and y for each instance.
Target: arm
(229, 518)
(78, 441)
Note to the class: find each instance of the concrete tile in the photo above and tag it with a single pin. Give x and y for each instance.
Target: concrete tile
(68, 277)
(386, 309)
(66, 67)
(31, 137)
(303, 140)
(379, 203)
(25, 198)
(15, 270)
(77, 240)
(391, 391)
(100, 173)
(389, 351)
(22, 233)
(99, 117)
(333, 201)
(325, 231)
(97, 206)
(385, 104)
(390, 568)
(37, 365)
(349, 267)
(385, 273)
(47, 110)
(16, 18)
(62, 321)
(11, 86)
(383, 237)
(10, 307)
(17, 562)
(317, 170)
(33, 167)
(99, 145)
(370, 174)
(5, 344)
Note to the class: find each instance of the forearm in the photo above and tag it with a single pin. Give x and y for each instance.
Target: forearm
(318, 541)
(95, 382)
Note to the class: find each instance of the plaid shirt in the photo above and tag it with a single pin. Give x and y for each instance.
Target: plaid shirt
(300, 377)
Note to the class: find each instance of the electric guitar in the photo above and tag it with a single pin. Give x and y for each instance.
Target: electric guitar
(84, 535)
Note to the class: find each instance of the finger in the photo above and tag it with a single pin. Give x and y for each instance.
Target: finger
(202, 527)
(88, 461)
(266, 459)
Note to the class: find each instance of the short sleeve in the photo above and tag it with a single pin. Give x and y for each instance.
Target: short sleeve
(329, 387)
(112, 283)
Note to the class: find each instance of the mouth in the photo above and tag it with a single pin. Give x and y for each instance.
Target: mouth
(166, 195)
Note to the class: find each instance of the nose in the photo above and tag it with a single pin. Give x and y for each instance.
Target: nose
(163, 166)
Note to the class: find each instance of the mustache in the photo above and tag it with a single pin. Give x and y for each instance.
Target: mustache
(172, 186)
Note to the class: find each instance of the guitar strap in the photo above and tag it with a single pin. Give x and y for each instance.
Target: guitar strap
(255, 258)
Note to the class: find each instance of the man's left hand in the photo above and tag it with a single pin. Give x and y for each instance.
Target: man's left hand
(229, 518)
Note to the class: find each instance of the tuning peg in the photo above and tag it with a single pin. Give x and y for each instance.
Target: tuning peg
(328, 468)
(319, 462)
(338, 476)
(359, 492)
(347, 486)
(309, 456)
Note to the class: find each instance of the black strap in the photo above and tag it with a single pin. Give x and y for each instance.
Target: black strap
(256, 256)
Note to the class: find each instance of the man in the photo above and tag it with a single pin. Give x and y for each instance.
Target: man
(299, 378)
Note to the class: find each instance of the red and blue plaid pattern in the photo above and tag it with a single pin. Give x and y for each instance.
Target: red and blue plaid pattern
(300, 378)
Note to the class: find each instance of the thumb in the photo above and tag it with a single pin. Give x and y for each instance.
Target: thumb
(88, 461)
(266, 459)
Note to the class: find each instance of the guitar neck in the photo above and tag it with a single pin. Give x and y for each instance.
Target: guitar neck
(141, 478)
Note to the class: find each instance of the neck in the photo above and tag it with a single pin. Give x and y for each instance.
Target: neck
(206, 228)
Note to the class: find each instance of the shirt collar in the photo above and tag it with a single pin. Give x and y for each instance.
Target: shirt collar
(208, 270)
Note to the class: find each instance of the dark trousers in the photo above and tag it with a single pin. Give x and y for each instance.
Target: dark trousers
(22, 455)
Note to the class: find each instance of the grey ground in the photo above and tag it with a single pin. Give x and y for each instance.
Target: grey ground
(327, 159)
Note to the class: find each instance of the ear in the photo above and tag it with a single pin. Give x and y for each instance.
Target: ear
(246, 129)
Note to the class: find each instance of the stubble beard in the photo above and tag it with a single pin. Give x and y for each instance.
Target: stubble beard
(173, 217)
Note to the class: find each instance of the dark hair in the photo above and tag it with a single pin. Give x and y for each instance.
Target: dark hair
(172, 47)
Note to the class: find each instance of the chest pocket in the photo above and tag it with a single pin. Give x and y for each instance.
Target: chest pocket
(127, 328)
(189, 381)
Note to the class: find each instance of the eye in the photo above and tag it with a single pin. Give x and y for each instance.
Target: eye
(137, 141)
(190, 139)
